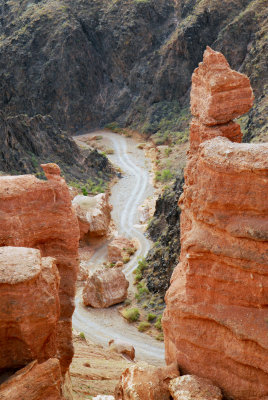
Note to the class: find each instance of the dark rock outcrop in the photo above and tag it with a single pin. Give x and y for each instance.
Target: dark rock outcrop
(26, 142)
(91, 62)
(164, 229)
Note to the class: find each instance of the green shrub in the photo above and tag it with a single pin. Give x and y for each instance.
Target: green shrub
(131, 314)
(82, 335)
(84, 191)
(163, 176)
(143, 326)
(158, 323)
(151, 317)
(160, 337)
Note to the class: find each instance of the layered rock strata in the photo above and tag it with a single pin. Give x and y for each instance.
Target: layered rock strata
(215, 323)
(34, 382)
(38, 214)
(30, 306)
(94, 214)
(144, 381)
(105, 287)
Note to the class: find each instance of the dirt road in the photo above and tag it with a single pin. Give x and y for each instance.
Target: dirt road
(127, 195)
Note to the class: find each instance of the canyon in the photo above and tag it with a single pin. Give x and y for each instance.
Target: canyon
(215, 322)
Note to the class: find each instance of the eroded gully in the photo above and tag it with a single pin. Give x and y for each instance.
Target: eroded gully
(102, 325)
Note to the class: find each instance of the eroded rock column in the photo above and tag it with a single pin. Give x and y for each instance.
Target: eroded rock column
(215, 324)
(38, 214)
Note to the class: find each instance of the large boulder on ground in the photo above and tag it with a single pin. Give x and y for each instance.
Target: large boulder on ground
(34, 382)
(105, 287)
(145, 382)
(190, 387)
(125, 349)
(30, 308)
(94, 214)
(120, 249)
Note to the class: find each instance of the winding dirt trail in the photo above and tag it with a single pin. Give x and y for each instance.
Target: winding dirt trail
(101, 325)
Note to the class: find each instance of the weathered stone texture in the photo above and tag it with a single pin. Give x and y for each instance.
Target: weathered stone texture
(105, 287)
(30, 307)
(38, 214)
(94, 214)
(215, 323)
(145, 382)
(34, 382)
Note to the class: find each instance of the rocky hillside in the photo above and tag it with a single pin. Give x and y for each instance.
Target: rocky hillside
(92, 62)
(164, 229)
(26, 142)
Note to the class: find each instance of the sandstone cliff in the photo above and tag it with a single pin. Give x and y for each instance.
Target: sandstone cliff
(215, 322)
(38, 214)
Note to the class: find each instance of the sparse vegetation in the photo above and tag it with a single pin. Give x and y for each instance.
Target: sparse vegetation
(164, 176)
(131, 314)
(158, 323)
(82, 335)
(151, 317)
(143, 326)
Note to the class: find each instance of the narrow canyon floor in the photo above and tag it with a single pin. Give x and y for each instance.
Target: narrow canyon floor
(98, 326)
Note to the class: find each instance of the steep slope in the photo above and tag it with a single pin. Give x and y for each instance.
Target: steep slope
(26, 142)
(91, 62)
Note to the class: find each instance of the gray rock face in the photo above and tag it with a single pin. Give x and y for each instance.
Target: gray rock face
(90, 62)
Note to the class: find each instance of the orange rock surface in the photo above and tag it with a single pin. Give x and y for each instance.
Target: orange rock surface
(30, 306)
(105, 287)
(34, 382)
(120, 248)
(215, 323)
(38, 214)
(218, 93)
(94, 214)
(190, 387)
(145, 382)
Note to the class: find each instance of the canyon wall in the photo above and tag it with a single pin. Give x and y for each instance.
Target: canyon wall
(38, 214)
(215, 323)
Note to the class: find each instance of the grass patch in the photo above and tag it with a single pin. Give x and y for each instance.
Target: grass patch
(143, 326)
(131, 314)
(158, 323)
(151, 317)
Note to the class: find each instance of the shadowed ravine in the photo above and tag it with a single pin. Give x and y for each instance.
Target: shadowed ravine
(101, 325)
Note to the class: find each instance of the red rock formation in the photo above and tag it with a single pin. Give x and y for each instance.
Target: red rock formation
(38, 214)
(215, 324)
(30, 306)
(94, 214)
(190, 387)
(120, 249)
(105, 287)
(34, 382)
(145, 382)
(122, 348)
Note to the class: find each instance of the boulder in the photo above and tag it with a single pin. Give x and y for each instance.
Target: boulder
(125, 349)
(30, 309)
(218, 93)
(215, 322)
(145, 382)
(82, 273)
(34, 382)
(94, 214)
(38, 214)
(190, 387)
(120, 249)
(105, 287)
